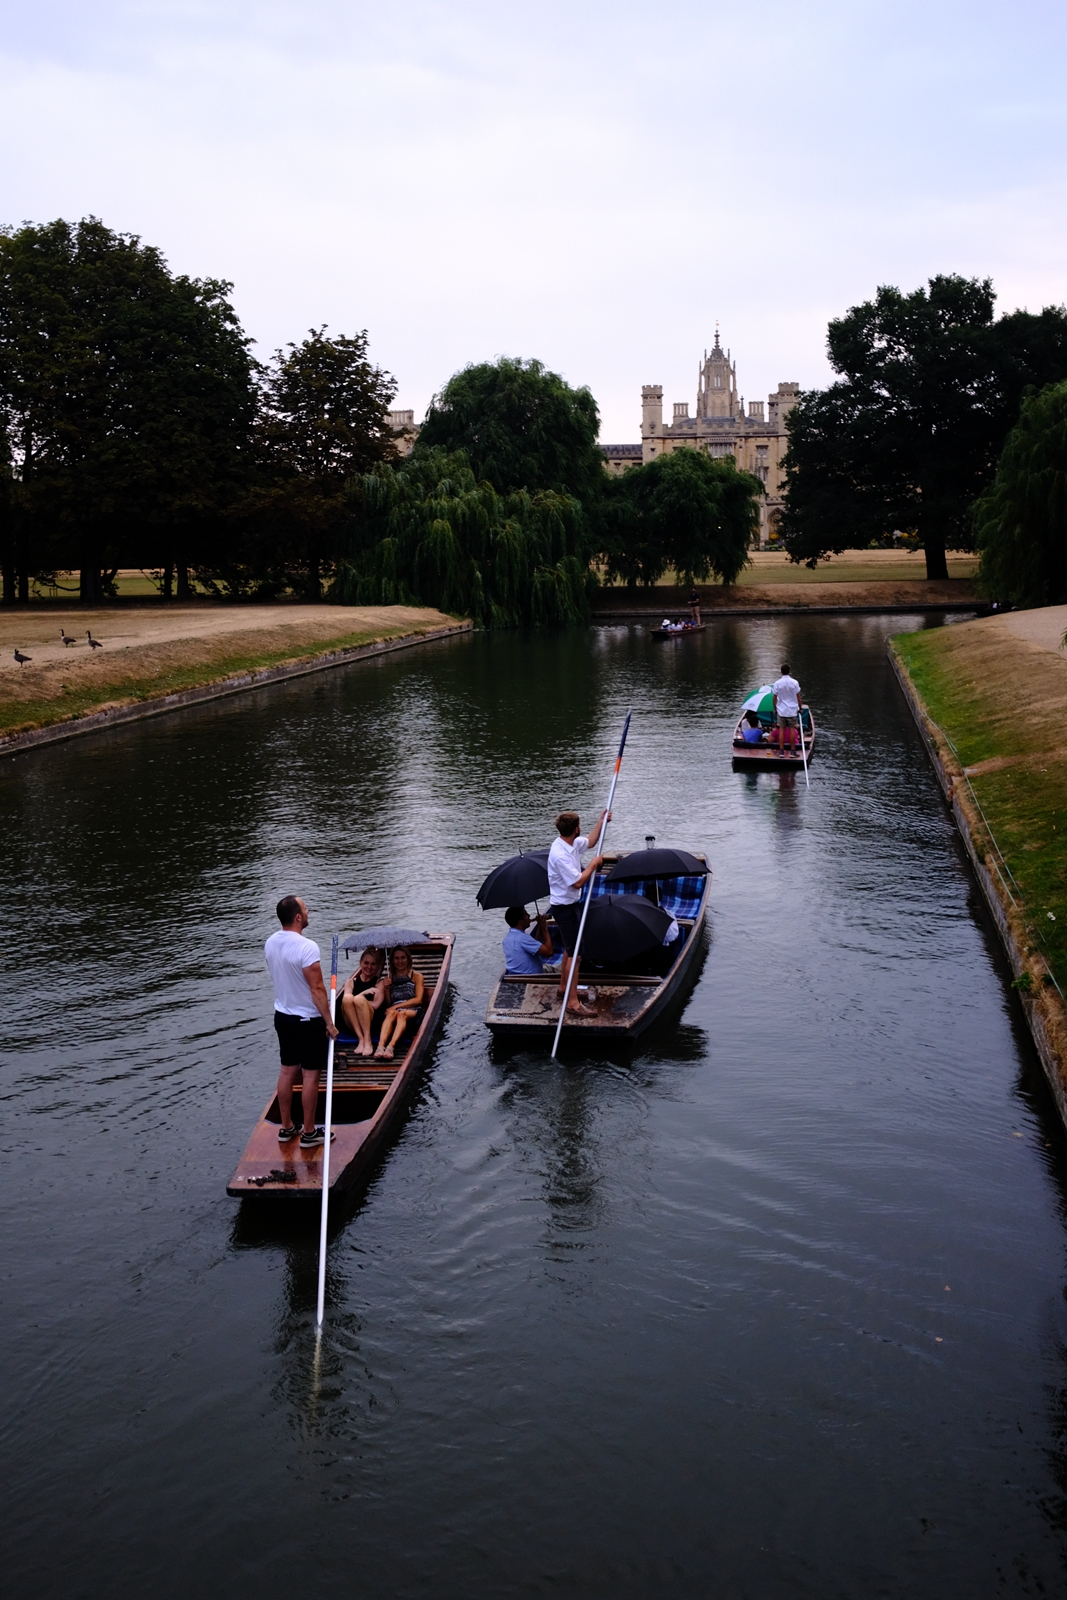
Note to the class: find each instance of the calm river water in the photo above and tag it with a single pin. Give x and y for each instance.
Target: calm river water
(772, 1307)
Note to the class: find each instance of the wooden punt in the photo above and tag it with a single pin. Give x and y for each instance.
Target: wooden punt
(627, 1002)
(367, 1095)
(678, 633)
(765, 757)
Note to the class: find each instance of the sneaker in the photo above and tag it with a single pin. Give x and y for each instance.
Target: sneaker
(285, 1134)
(307, 1140)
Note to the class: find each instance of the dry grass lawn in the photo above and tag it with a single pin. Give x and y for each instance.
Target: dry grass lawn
(147, 653)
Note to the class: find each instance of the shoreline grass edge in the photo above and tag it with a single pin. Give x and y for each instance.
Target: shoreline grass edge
(1034, 981)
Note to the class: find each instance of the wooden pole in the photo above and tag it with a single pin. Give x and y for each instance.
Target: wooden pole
(573, 973)
(803, 752)
(320, 1303)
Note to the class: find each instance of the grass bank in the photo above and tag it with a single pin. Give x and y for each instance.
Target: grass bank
(152, 655)
(996, 689)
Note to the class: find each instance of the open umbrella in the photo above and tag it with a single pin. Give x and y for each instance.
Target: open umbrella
(516, 881)
(619, 926)
(384, 938)
(761, 701)
(662, 863)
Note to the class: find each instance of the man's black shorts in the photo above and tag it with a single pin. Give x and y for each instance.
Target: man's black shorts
(302, 1044)
(567, 920)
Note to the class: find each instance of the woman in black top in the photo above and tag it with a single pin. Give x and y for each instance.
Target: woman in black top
(363, 994)
(406, 993)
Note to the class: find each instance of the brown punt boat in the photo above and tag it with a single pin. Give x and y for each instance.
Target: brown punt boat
(765, 757)
(367, 1095)
(627, 1003)
(679, 633)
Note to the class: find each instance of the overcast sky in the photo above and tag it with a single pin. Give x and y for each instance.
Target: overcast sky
(594, 184)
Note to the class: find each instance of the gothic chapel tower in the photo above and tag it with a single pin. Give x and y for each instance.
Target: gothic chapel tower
(717, 384)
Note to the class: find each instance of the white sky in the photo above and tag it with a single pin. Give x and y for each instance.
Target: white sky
(591, 183)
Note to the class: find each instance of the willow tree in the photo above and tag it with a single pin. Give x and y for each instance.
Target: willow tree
(1021, 523)
(430, 532)
(684, 511)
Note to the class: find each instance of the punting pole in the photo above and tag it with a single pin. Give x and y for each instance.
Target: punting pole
(803, 752)
(320, 1303)
(573, 973)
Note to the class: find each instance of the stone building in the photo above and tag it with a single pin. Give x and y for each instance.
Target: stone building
(756, 438)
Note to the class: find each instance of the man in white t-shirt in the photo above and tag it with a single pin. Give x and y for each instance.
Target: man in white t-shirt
(787, 704)
(301, 1019)
(566, 879)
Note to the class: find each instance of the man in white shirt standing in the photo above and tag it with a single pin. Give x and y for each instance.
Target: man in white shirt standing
(566, 879)
(301, 1019)
(787, 704)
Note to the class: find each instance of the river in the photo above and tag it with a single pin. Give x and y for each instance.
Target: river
(771, 1307)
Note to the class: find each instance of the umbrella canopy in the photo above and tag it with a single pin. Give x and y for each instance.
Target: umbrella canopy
(620, 926)
(761, 701)
(516, 881)
(664, 863)
(384, 938)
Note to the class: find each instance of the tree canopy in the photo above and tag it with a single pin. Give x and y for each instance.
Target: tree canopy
(126, 396)
(684, 511)
(1021, 522)
(908, 438)
(520, 426)
(430, 532)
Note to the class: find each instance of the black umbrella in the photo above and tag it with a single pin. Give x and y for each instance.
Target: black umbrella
(663, 863)
(516, 881)
(619, 926)
(384, 938)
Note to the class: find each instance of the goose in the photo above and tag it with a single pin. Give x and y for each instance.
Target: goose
(20, 658)
(67, 638)
(94, 644)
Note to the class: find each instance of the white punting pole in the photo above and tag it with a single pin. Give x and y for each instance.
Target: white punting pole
(803, 752)
(320, 1304)
(573, 973)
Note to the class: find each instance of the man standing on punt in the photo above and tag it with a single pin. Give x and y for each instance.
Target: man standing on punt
(566, 879)
(301, 1018)
(787, 704)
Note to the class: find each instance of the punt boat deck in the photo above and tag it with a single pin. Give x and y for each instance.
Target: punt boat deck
(367, 1095)
(765, 757)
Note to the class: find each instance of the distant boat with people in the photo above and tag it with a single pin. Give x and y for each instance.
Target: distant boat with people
(755, 741)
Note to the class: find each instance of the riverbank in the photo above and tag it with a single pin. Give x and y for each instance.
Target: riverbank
(755, 599)
(152, 661)
(991, 700)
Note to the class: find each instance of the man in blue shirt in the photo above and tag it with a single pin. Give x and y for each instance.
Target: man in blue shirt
(525, 956)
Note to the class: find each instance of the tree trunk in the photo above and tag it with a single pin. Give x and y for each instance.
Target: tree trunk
(9, 580)
(934, 546)
(168, 580)
(184, 591)
(24, 587)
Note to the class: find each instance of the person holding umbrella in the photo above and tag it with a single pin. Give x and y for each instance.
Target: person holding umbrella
(566, 880)
(524, 953)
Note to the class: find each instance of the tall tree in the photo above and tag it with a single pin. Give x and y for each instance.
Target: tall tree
(126, 397)
(429, 532)
(1021, 522)
(322, 420)
(521, 427)
(909, 436)
(684, 511)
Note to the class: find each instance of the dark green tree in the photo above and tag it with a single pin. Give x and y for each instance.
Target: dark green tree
(1021, 522)
(521, 427)
(683, 511)
(126, 396)
(322, 420)
(905, 441)
(429, 532)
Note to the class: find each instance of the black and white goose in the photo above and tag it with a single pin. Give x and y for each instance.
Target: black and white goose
(67, 638)
(94, 644)
(21, 659)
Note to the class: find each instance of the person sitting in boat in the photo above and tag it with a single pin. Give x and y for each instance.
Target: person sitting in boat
(406, 994)
(665, 625)
(751, 731)
(524, 954)
(363, 995)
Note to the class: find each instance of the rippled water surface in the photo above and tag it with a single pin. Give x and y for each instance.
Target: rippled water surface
(772, 1306)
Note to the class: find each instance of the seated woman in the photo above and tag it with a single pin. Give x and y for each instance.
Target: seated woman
(750, 730)
(406, 994)
(362, 996)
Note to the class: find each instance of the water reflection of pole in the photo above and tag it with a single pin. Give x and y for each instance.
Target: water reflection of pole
(321, 1300)
(572, 974)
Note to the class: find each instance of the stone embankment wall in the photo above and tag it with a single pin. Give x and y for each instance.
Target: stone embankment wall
(1042, 1002)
